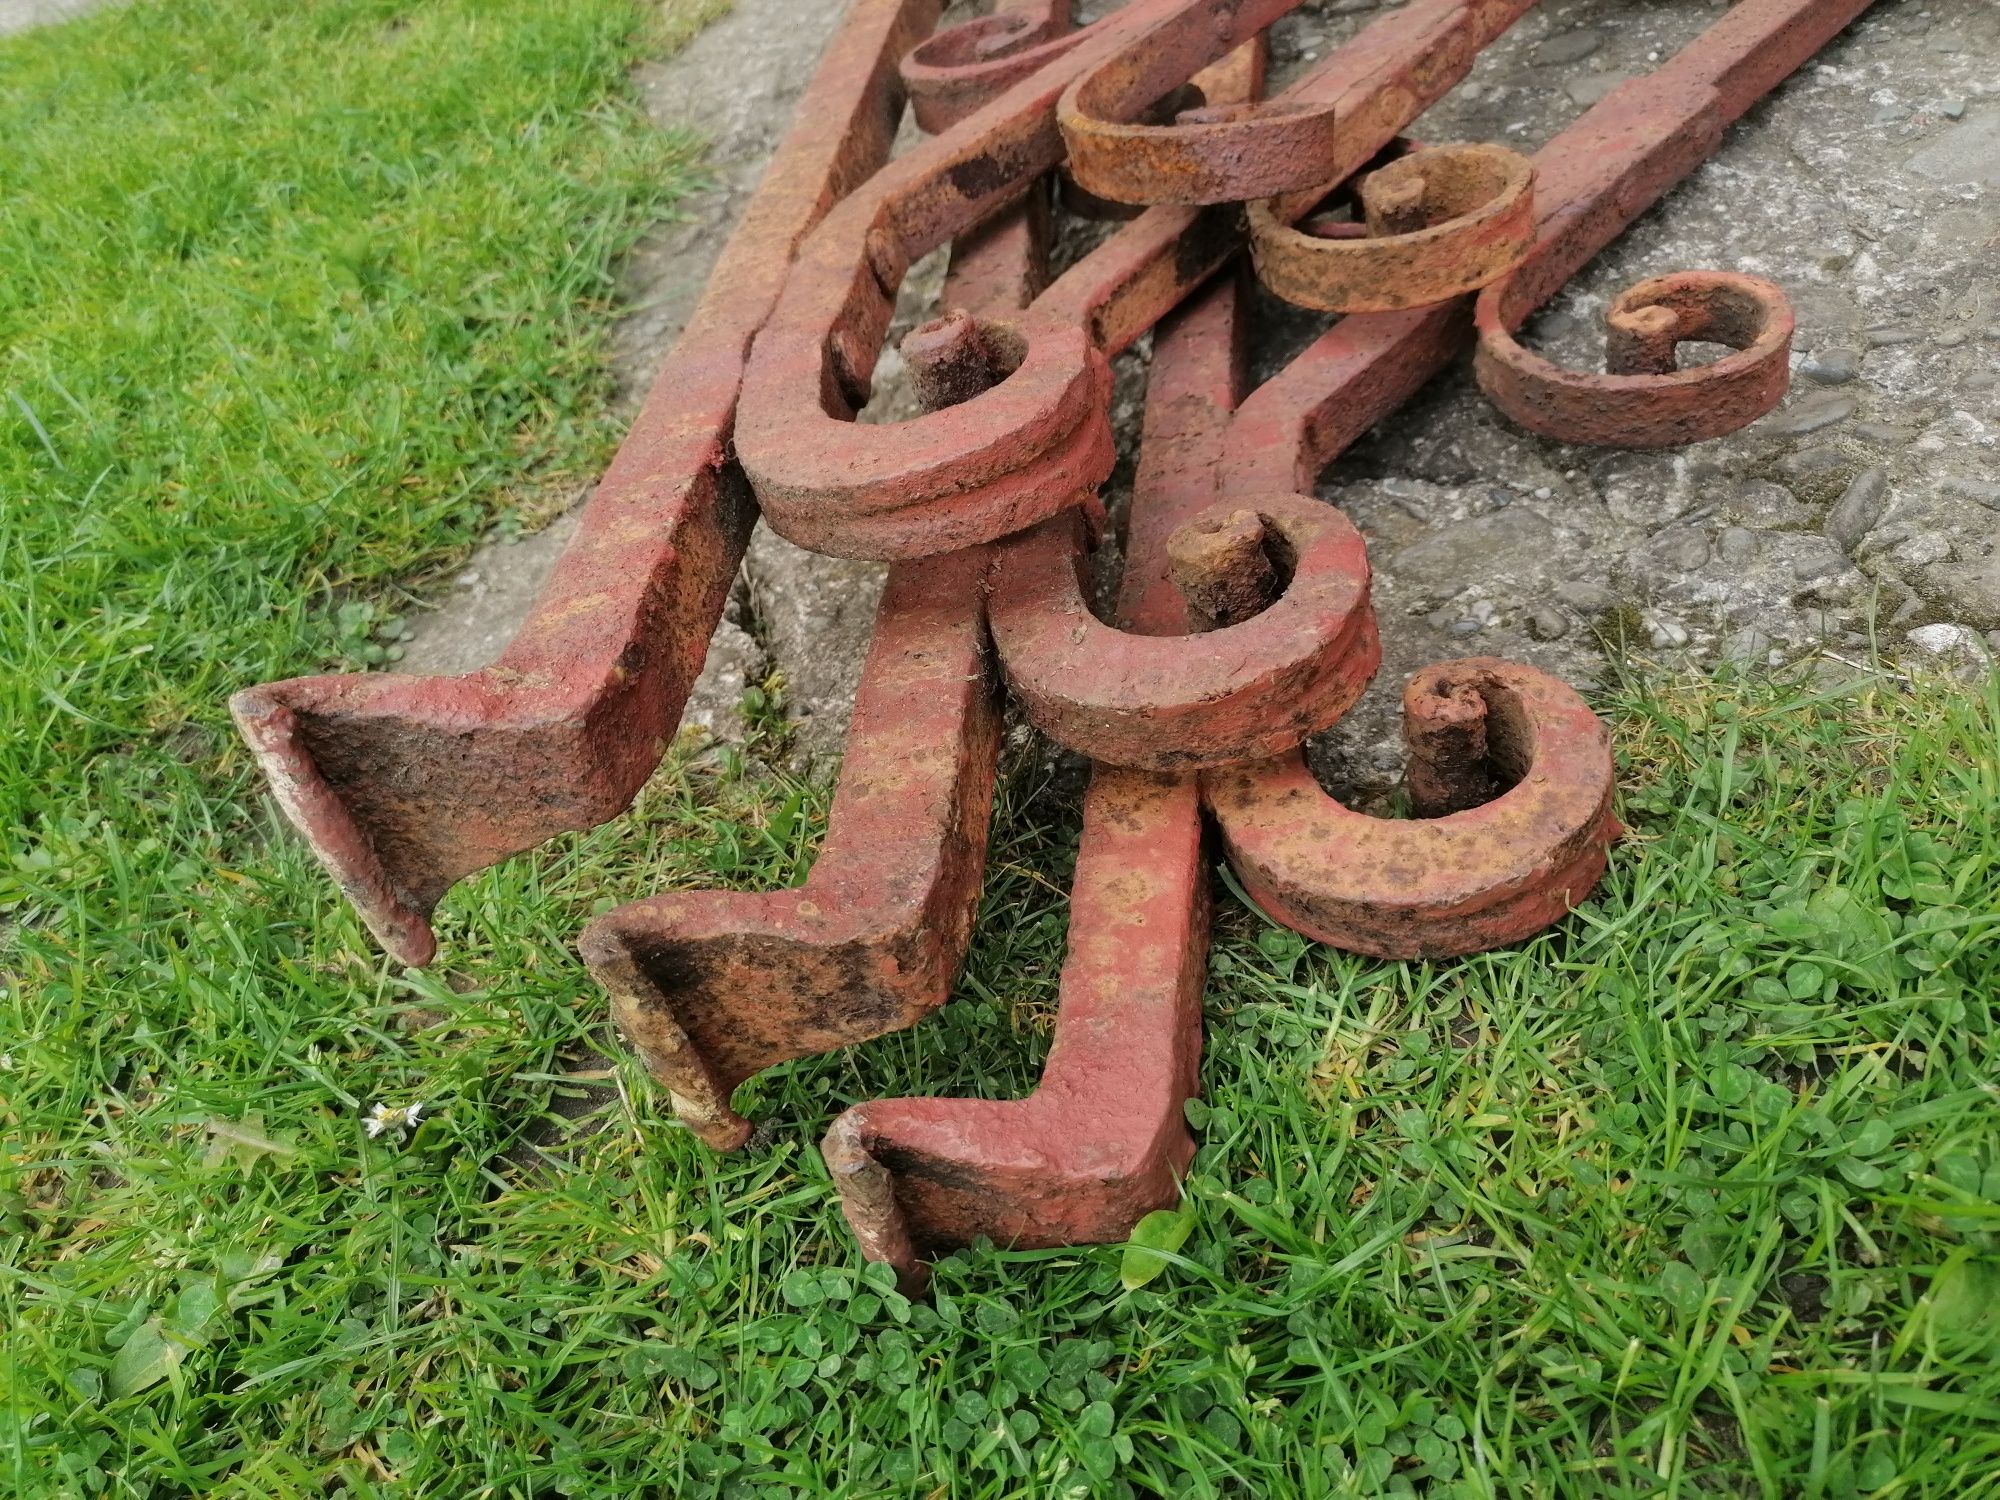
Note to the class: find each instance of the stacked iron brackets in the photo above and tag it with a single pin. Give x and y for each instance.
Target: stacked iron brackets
(1243, 623)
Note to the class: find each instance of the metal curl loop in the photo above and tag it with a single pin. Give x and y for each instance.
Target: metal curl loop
(1279, 585)
(1473, 870)
(1439, 223)
(1645, 400)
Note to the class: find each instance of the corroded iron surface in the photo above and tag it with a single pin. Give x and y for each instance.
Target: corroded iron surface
(1104, 1138)
(1179, 702)
(1438, 223)
(1040, 439)
(1511, 783)
(1592, 180)
(1212, 151)
(1645, 400)
(405, 785)
(1243, 623)
(712, 987)
(964, 67)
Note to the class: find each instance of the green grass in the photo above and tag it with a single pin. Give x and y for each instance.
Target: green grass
(1699, 1194)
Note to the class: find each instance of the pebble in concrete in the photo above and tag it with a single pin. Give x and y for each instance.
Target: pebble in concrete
(1683, 548)
(1946, 640)
(1569, 47)
(1809, 463)
(1923, 550)
(1748, 646)
(1547, 624)
(1968, 152)
(1855, 513)
(1889, 335)
(1590, 88)
(1819, 561)
(1832, 366)
(1817, 411)
(1667, 633)
(1738, 546)
(1968, 590)
(1984, 491)
(1587, 599)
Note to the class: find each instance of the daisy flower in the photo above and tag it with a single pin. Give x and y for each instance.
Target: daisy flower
(400, 1118)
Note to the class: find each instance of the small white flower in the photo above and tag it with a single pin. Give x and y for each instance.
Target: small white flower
(400, 1118)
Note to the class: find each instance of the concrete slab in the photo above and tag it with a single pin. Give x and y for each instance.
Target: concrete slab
(19, 15)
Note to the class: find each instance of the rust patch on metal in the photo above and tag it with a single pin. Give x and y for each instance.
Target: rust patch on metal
(965, 67)
(405, 785)
(1510, 769)
(1221, 151)
(1037, 441)
(1242, 626)
(1244, 691)
(713, 986)
(1543, 837)
(1228, 565)
(1593, 179)
(950, 359)
(1103, 1139)
(1440, 222)
(1472, 877)
(1645, 400)
(1032, 445)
